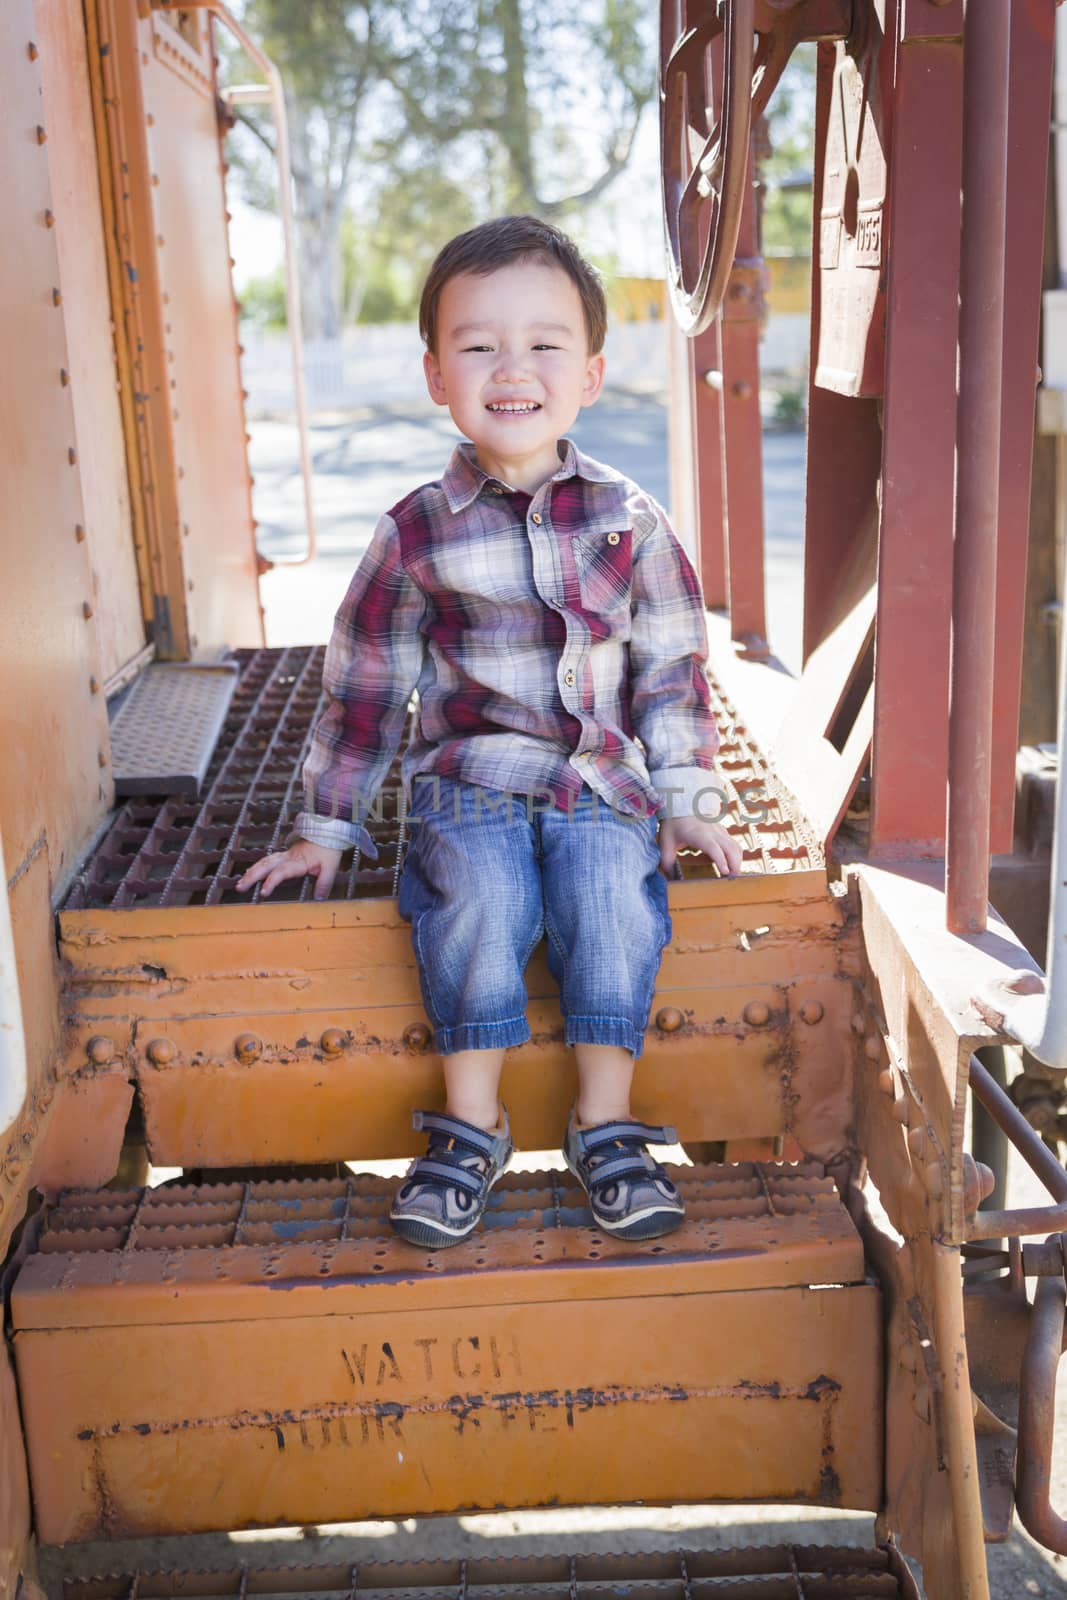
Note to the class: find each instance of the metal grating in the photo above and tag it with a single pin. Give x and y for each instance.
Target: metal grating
(195, 1216)
(166, 729)
(778, 1215)
(776, 1572)
(166, 851)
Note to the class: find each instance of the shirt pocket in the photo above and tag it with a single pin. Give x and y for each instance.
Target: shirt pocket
(605, 566)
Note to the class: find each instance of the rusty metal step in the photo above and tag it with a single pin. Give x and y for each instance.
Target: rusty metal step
(208, 1358)
(781, 1572)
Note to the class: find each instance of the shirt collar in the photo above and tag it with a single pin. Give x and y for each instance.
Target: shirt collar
(463, 479)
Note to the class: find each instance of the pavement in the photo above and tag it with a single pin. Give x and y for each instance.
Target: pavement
(363, 463)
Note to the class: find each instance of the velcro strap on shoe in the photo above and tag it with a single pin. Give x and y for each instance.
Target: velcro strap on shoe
(453, 1128)
(624, 1166)
(427, 1170)
(619, 1132)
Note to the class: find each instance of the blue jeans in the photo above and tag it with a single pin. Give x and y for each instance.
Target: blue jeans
(487, 873)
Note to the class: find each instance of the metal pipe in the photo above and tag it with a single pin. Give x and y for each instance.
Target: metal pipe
(12, 1035)
(1020, 1223)
(1038, 1157)
(986, 50)
(244, 94)
(1037, 1418)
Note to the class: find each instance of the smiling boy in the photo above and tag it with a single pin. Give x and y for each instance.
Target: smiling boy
(554, 630)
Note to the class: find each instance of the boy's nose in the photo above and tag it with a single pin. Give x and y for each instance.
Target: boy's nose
(510, 367)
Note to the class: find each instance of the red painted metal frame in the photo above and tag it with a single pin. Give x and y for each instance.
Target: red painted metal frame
(742, 428)
(910, 741)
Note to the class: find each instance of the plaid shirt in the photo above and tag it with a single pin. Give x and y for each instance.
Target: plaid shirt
(545, 635)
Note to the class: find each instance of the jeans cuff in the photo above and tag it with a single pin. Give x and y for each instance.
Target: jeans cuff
(604, 1030)
(481, 1036)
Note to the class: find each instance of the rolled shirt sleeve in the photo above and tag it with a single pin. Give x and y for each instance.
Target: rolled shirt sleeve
(372, 666)
(669, 697)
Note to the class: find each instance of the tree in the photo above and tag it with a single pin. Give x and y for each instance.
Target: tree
(517, 104)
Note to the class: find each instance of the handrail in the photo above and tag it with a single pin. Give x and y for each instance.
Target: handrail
(1026, 1220)
(246, 94)
(12, 1034)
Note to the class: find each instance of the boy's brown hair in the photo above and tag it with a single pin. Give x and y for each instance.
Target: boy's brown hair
(500, 243)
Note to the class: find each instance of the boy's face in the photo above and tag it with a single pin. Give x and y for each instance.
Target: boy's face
(513, 366)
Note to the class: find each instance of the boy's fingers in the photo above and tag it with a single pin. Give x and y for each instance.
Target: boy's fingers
(259, 869)
(284, 868)
(324, 882)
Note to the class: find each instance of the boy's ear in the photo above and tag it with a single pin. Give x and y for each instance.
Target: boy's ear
(594, 379)
(434, 380)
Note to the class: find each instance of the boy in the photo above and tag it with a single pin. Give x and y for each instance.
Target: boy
(548, 618)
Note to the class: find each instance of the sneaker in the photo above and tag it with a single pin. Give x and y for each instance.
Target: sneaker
(442, 1198)
(630, 1194)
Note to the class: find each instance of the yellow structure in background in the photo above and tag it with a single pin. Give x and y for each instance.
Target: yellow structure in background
(788, 289)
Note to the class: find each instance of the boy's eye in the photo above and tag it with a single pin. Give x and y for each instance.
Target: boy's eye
(476, 349)
(546, 346)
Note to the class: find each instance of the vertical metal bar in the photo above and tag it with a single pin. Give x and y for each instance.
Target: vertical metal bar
(910, 739)
(708, 447)
(1033, 29)
(986, 66)
(743, 454)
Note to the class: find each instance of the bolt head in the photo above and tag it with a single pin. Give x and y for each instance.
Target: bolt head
(669, 1019)
(417, 1037)
(872, 1047)
(333, 1041)
(811, 1012)
(247, 1046)
(161, 1051)
(757, 1013)
(887, 1081)
(100, 1050)
(917, 1142)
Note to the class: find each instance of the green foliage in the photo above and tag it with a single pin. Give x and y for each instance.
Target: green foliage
(788, 168)
(263, 301)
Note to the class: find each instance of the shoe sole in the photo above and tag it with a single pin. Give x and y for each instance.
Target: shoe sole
(647, 1224)
(434, 1236)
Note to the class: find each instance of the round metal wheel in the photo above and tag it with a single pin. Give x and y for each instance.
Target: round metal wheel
(705, 121)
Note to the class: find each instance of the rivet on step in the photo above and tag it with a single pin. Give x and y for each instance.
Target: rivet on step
(100, 1050)
(417, 1037)
(32, 51)
(41, 134)
(46, 1095)
(247, 1046)
(811, 1011)
(160, 1051)
(872, 1047)
(933, 1179)
(333, 1041)
(669, 1019)
(887, 1081)
(917, 1142)
(902, 1109)
(859, 1022)
(12, 1168)
(756, 1013)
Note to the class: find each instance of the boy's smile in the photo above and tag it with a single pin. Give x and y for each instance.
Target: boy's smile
(513, 366)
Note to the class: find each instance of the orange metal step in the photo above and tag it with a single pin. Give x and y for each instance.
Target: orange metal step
(209, 1358)
(776, 1572)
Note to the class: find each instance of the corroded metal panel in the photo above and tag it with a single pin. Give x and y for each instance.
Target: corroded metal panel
(188, 205)
(56, 784)
(851, 240)
(72, 158)
(160, 1393)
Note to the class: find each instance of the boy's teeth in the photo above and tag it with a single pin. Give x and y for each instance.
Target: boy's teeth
(526, 406)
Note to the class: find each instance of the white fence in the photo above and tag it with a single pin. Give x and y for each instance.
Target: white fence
(382, 365)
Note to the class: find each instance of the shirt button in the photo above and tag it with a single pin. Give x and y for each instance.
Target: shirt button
(568, 678)
(582, 755)
(613, 538)
(536, 518)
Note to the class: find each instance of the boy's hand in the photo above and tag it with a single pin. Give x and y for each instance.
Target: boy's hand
(313, 860)
(711, 837)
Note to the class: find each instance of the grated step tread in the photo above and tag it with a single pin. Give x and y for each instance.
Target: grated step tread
(773, 1572)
